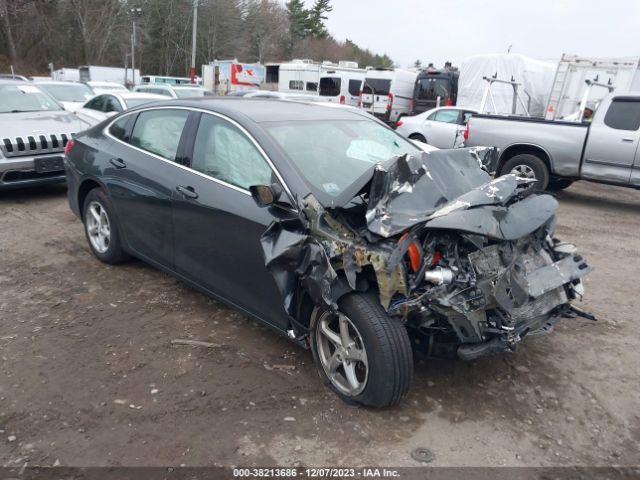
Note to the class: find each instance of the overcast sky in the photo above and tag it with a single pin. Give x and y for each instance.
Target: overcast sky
(440, 30)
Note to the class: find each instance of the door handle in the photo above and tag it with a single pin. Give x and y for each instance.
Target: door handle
(188, 192)
(118, 163)
(627, 139)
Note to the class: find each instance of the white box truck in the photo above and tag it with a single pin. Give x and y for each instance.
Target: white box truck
(573, 77)
(94, 73)
(388, 93)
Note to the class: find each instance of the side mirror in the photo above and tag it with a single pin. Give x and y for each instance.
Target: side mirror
(265, 195)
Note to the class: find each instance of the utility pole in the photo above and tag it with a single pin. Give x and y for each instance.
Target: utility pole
(135, 14)
(193, 41)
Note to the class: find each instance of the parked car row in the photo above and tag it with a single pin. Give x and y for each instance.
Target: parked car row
(40, 117)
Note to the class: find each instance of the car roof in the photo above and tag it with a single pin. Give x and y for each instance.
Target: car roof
(98, 83)
(57, 82)
(261, 110)
(134, 95)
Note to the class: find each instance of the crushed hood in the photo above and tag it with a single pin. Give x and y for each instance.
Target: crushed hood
(452, 189)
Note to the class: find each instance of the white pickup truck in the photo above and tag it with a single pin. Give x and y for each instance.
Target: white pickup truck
(556, 153)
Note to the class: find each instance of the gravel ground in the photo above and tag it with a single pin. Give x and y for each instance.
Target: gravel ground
(89, 376)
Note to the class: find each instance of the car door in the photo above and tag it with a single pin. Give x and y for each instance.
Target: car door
(441, 127)
(140, 178)
(217, 224)
(612, 142)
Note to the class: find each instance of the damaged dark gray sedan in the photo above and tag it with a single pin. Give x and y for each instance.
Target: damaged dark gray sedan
(329, 227)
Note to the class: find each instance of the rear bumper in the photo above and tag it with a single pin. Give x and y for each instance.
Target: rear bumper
(21, 172)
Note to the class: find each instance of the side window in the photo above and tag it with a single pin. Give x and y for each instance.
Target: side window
(330, 86)
(296, 84)
(96, 104)
(112, 104)
(447, 116)
(623, 115)
(312, 87)
(159, 131)
(354, 87)
(119, 128)
(223, 151)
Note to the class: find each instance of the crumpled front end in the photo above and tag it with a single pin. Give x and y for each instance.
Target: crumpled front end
(466, 262)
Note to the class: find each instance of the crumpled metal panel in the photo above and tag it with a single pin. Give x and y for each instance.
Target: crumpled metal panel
(422, 188)
(292, 256)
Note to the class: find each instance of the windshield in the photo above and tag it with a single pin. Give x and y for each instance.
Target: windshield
(25, 98)
(69, 93)
(433, 87)
(134, 102)
(189, 92)
(377, 86)
(332, 154)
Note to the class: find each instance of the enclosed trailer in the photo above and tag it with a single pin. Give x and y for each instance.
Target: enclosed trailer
(228, 76)
(535, 78)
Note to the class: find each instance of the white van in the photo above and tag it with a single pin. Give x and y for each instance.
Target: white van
(388, 93)
(341, 83)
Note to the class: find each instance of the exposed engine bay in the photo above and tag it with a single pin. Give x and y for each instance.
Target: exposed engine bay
(468, 263)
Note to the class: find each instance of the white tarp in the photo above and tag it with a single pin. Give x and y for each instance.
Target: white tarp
(535, 77)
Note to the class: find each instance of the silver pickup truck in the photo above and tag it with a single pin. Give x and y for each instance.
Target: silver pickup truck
(556, 153)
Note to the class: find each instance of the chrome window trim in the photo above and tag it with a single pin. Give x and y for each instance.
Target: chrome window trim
(105, 131)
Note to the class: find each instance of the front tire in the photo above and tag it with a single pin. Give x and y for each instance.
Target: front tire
(528, 166)
(101, 229)
(362, 354)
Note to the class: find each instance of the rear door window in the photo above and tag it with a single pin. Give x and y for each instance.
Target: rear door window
(330, 86)
(96, 103)
(119, 128)
(376, 86)
(159, 131)
(223, 151)
(623, 114)
(354, 87)
(112, 104)
(446, 116)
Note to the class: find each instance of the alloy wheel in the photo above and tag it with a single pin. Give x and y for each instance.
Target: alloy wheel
(342, 353)
(524, 171)
(98, 227)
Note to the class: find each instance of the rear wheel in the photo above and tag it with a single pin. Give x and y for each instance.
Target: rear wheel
(101, 229)
(361, 353)
(528, 166)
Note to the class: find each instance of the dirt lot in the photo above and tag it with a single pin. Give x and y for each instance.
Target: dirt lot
(89, 377)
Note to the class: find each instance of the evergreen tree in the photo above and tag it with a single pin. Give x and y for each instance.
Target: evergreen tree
(317, 16)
